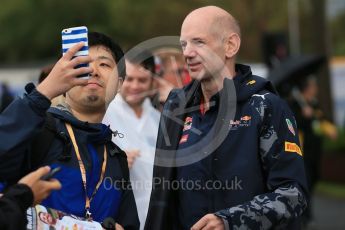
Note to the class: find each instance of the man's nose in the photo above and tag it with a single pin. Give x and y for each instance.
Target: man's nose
(95, 72)
(135, 84)
(189, 51)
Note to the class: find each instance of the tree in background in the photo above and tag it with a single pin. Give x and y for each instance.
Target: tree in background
(31, 29)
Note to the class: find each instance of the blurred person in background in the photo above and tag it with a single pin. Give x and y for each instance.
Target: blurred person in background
(173, 67)
(30, 190)
(5, 96)
(132, 114)
(312, 125)
(171, 72)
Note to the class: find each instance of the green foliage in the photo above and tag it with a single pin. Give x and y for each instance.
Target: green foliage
(31, 28)
(338, 35)
(335, 146)
(331, 189)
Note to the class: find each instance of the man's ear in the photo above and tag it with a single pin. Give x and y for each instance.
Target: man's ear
(119, 85)
(232, 45)
(154, 83)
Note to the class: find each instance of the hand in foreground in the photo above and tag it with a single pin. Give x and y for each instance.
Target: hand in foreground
(208, 222)
(40, 188)
(64, 76)
(119, 227)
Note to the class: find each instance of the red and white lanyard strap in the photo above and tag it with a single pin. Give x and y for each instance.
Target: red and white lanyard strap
(83, 171)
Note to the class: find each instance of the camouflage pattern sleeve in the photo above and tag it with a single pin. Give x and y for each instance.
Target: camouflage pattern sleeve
(282, 162)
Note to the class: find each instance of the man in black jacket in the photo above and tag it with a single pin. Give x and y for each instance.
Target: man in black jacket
(18, 198)
(227, 155)
(94, 173)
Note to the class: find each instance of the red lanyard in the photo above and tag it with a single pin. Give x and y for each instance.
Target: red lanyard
(83, 171)
(202, 106)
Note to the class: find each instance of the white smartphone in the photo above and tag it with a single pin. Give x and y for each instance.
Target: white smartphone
(72, 36)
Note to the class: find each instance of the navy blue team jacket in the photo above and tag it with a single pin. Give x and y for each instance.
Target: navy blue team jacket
(25, 118)
(246, 143)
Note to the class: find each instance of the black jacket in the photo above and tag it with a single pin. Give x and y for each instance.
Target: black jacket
(24, 119)
(253, 141)
(13, 205)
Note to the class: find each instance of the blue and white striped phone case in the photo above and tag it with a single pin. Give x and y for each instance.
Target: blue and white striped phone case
(72, 36)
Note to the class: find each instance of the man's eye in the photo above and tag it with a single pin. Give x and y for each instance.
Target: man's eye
(143, 81)
(199, 42)
(104, 64)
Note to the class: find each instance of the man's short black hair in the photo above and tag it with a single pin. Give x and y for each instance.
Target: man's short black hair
(142, 57)
(99, 39)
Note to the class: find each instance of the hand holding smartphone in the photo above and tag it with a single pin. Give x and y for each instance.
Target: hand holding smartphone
(72, 36)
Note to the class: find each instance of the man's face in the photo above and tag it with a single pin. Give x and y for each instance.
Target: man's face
(137, 84)
(176, 72)
(103, 84)
(202, 48)
(47, 218)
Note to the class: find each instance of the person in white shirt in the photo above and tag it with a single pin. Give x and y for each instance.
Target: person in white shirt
(132, 114)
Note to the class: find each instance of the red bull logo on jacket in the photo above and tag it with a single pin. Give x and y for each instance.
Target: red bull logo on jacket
(244, 121)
